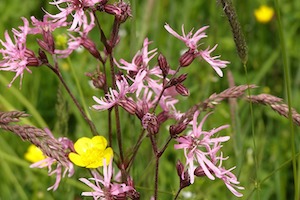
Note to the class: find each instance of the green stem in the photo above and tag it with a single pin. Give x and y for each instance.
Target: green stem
(289, 99)
(253, 135)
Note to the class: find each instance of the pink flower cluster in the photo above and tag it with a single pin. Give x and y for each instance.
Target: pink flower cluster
(201, 151)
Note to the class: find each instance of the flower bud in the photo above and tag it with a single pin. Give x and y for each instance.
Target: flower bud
(91, 47)
(150, 123)
(129, 105)
(179, 168)
(182, 90)
(138, 60)
(176, 129)
(199, 172)
(163, 65)
(162, 117)
(187, 58)
(42, 56)
(32, 60)
(181, 78)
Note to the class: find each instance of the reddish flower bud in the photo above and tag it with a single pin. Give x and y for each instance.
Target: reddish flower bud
(138, 60)
(182, 90)
(32, 60)
(129, 105)
(163, 65)
(42, 56)
(150, 123)
(180, 168)
(47, 43)
(183, 176)
(121, 11)
(177, 129)
(91, 47)
(162, 117)
(181, 78)
(187, 58)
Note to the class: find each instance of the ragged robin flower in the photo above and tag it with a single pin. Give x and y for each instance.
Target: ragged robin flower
(34, 154)
(264, 14)
(91, 152)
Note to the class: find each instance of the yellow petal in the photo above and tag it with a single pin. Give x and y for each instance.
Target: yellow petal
(82, 145)
(34, 154)
(76, 159)
(99, 142)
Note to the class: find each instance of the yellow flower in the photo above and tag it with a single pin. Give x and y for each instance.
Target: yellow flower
(264, 14)
(34, 154)
(91, 152)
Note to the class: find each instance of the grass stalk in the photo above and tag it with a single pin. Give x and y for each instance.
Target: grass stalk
(287, 80)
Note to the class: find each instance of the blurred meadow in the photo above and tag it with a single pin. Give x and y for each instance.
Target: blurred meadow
(262, 141)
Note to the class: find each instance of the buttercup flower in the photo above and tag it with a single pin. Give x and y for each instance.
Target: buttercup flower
(91, 152)
(34, 154)
(264, 14)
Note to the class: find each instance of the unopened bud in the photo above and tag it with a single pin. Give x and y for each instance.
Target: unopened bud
(176, 129)
(138, 60)
(187, 58)
(42, 56)
(181, 78)
(91, 47)
(182, 90)
(48, 38)
(162, 117)
(150, 123)
(179, 168)
(199, 172)
(129, 105)
(163, 65)
(32, 60)
(183, 176)
(125, 11)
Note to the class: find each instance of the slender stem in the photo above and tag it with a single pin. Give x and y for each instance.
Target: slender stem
(156, 177)
(165, 86)
(288, 93)
(177, 194)
(159, 154)
(136, 148)
(57, 72)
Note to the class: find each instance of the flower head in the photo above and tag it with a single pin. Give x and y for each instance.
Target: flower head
(104, 188)
(91, 152)
(189, 39)
(74, 8)
(34, 154)
(201, 153)
(15, 56)
(264, 14)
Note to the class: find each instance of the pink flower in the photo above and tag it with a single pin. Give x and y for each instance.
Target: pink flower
(119, 97)
(104, 188)
(39, 27)
(213, 61)
(75, 42)
(75, 8)
(15, 54)
(190, 40)
(201, 150)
